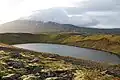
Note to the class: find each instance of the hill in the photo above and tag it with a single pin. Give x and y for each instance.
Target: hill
(30, 26)
(27, 26)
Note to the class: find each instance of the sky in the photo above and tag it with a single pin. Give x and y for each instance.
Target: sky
(13, 9)
(88, 13)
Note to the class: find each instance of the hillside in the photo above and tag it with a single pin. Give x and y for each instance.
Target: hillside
(109, 43)
(29, 26)
(20, 64)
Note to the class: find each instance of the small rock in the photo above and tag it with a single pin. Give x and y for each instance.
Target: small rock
(29, 77)
(15, 64)
(53, 55)
(115, 73)
(11, 77)
(35, 60)
(103, 72)
(57, 75)
(53, 78)
(15, 55)
(33, 69)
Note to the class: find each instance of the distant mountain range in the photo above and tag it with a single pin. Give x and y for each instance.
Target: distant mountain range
(31, 26)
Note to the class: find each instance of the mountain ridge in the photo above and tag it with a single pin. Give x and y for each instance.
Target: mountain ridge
(32, 26)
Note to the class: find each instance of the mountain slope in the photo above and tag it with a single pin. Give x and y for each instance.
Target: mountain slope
(35, 27)
(28, 26)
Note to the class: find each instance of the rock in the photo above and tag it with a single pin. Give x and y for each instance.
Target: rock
(103, 72)
(15, 55)
(53, 78)
(115, 73)
(57, 75)
(35, 60)
(29, 77)
(33, 69)
(65, 75)
(11, 77)
(15, 64)
(114, 70)
(53, 55)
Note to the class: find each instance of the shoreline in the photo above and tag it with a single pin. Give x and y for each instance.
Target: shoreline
(72, 46)
(70, 59)
(68, 63)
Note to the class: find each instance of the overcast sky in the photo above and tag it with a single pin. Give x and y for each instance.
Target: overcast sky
(90, 13)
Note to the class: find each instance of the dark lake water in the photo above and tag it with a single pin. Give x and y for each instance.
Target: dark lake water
(64, 50)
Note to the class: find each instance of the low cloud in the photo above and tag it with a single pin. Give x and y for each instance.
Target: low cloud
(105, 13)
(86, 13)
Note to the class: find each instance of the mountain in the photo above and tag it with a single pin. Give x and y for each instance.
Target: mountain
(28, 26)
(31, 26)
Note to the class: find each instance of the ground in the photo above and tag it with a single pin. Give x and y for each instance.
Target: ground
(20, 64)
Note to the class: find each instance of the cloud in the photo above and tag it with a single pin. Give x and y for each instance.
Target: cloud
(61, 16)
(95, 5)
(82, 20)
(53, 14)
(14, 9)
(85, 13)
(105, 12)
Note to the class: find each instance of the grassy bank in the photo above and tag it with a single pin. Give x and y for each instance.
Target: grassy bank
(109, 43)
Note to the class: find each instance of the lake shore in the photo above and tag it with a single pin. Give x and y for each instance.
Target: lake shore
(77, 52)
(54, 64)
(103, 42)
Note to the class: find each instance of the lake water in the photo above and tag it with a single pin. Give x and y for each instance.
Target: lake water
(64, 50)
